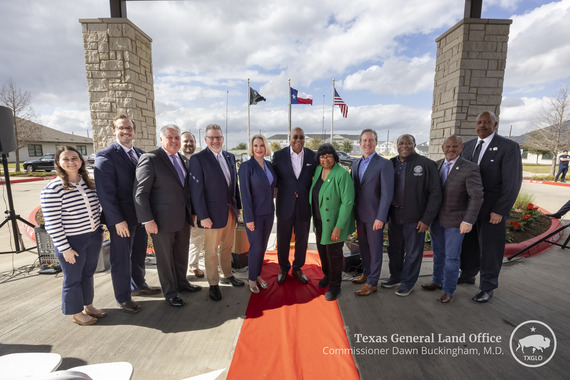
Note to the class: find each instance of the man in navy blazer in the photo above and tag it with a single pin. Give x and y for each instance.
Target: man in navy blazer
(462, 198)
(215, 196)
(294, 166)
(373, 178)
(500, 164)
(115, 177)
(162, 202)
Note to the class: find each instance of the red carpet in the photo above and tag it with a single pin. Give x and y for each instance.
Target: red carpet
(290, 330)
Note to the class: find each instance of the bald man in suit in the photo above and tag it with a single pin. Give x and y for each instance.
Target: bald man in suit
(462, 198)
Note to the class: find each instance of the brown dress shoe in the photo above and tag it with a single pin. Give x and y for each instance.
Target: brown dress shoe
(444, 298)
(300, 276)
(360, 280)
(198, 272)
(366, 290)
(431, 286)
(130, 307)
(89, 322)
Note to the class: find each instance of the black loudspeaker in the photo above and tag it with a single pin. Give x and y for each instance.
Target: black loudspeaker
(7, 134)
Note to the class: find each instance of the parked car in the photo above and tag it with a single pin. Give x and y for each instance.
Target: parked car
(346, 159)
(91, 160)
(45, 162)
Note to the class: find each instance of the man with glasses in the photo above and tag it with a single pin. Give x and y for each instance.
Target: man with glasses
(215, 196)
(294, 166)
(115, 178)
(416, 201)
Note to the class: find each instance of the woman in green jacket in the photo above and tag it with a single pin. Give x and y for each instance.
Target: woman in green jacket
(332, 198)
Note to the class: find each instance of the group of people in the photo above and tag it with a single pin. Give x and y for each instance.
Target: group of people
(190, 202)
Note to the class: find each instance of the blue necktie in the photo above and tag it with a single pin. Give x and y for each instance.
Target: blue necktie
(178, 168)
(133, 157)
(445, 171)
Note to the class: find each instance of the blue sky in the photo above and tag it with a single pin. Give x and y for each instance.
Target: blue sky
(381, 53)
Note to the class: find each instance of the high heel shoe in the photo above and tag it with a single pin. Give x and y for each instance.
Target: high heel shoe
(262, 283)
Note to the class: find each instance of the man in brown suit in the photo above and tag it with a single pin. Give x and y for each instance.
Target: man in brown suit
(462, 199)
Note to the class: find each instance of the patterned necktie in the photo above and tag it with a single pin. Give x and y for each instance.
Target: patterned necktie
(223, 167)
(178, 168)
(445, 172)
(133, 157)
(477, 152)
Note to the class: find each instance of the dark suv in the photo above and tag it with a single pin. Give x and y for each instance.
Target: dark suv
(346, 159)
(45, 162)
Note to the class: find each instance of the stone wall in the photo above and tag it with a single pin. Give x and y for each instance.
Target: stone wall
(118, 62)
(470, 67)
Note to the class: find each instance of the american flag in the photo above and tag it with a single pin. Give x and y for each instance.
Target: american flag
(338, 101)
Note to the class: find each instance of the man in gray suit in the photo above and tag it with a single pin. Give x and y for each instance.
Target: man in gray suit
(462, 198)
(162, 203)
(373, 178)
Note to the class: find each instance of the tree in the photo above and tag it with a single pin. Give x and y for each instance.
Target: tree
(336, 145)
(346, 146)
(240, 146)
(553, 130)
(275, 146)
(20, 102)
(314, 143)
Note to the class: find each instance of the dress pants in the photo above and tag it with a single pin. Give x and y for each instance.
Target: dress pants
(331, 257)
(223, 238)
(127, 259)
(405, 251)
(446, 244)
(470, 254)
(258, 239)
(284, 231)
(196, 246)
(172, 259)
(78, 288)
(492, 244)
(370, 243)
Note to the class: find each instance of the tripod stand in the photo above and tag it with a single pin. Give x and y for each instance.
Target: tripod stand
(544, 239)
(12, 216)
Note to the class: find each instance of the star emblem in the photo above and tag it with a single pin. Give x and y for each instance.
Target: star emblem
(532, 329)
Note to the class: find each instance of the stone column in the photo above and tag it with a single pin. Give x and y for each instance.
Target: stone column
(469, 72)
(118, 62)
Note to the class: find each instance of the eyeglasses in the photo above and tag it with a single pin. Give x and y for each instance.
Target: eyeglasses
(326, 157)
(125, 129)
(215, 138)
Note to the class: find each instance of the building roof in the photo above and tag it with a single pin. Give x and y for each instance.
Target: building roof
(53, 135)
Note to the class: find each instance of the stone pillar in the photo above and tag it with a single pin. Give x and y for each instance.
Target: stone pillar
(469, 72)
(118, 62)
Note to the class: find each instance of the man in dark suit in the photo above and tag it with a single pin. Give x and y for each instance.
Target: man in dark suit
(162, 203)
(373, 178)
(196, 234)
(115, 178)
(294, 166)
(215, 196)
(500, 163)
(462, 198)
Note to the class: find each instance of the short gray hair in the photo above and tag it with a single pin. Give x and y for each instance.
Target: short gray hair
(368, 130)
(214, 127)
(169, 126)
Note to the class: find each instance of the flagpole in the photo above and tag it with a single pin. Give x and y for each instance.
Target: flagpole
(332, 117)
(248, 112)
(227, 101)
(289, 135)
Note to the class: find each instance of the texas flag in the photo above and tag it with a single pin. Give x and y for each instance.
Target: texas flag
(298, 97)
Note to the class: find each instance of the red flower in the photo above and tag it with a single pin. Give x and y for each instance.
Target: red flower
(527, 216)
(515, 224)
(531, 207)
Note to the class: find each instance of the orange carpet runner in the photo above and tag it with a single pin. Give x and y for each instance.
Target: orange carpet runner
(291, 331)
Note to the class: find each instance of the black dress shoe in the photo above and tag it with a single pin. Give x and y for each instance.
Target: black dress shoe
(146, 291)
(300, 276)
(176, 302)
(282, 277)
(215, 293)
(555, 215)
(232, 280)
(324, 282)
(190, 288)
(130, 307)
(483, 296)
(332, 293)
(466, 280)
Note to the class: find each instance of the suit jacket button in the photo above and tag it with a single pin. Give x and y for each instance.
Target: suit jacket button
(326, 209)
(327, 199)
(328, 220)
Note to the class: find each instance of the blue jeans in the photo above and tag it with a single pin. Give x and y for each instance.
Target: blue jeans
(446, 244)
(78, 288)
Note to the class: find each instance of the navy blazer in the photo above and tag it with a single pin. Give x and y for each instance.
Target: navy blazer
(373, 196)
(255, 189)
(289, 188)
(115, 181)
(211, 195)
(501, 173)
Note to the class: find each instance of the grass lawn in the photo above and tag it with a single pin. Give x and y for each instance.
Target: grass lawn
(537, 169)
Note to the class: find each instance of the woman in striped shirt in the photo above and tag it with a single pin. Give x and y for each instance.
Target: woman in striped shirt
(71, 212)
